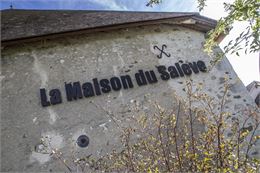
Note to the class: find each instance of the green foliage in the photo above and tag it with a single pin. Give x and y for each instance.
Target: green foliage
(201, 4)
(152, 2)
(240, 10)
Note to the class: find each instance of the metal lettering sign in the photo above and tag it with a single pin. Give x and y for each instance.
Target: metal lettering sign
(96, 87)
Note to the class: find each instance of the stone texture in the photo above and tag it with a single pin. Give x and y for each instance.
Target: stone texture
(27, 68)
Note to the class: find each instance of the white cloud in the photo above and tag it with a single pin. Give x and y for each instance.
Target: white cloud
(215, 8)
(110, 4)
(178, 5)
(246, 65)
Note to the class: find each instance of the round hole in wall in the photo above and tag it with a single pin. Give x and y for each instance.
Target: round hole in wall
(83, 141)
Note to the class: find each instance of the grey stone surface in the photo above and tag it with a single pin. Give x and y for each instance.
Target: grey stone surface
(48, 64)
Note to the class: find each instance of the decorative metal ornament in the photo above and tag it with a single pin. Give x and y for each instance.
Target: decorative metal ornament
(162, 51)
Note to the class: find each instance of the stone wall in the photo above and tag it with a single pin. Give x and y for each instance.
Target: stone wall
(50, 64)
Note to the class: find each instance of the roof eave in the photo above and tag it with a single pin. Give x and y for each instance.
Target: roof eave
(195, 22)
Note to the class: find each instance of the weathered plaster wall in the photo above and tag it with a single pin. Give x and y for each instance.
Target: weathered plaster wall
(48, 64)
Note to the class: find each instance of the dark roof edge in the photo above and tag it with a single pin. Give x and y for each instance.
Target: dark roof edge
(207, 23)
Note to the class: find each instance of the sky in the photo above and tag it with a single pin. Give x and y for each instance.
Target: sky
(246, 66)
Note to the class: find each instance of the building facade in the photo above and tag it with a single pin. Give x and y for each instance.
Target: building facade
(71, 74)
